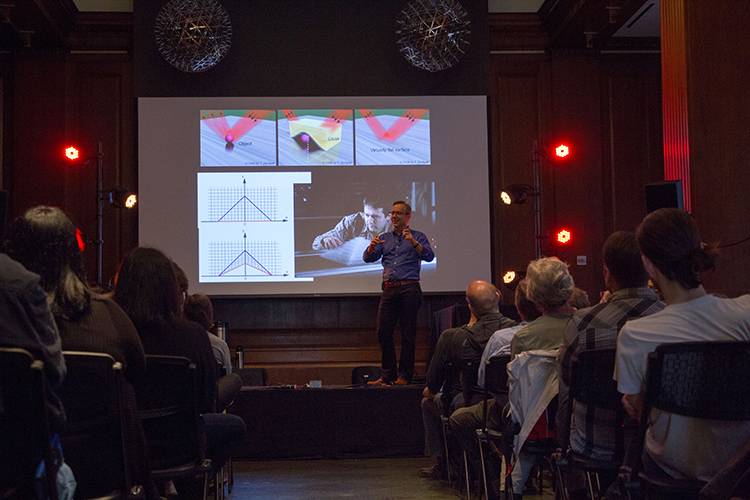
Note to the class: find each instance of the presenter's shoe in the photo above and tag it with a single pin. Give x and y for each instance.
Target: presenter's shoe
(401, 381)
(379, 382)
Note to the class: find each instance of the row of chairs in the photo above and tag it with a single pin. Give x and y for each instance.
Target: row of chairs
(95, 431)
(705, 380)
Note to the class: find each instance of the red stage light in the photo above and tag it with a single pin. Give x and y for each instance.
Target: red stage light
(71, 153)
(564, 236)
(562, 151)
(80, 239)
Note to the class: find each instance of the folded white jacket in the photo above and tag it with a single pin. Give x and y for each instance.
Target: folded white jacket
(532, 384)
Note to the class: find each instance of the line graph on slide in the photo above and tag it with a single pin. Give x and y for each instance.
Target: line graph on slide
(245, 226)
(244, 258)
(243, 203)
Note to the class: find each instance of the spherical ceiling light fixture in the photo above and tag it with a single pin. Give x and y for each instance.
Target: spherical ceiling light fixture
(193, 35)
(433, 35)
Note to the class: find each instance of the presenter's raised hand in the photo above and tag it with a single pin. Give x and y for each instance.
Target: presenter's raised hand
(377, 240)
(406, 233)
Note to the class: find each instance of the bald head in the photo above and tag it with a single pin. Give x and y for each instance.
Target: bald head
(483, 297)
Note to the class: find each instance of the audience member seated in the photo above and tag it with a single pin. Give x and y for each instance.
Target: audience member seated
(27, 323)
(198, 309)
(591, 432)
(674, 256)
(579, 299)
(455, 347)
(465, 421)
(146, 288)
(44, 240)
(550, 287)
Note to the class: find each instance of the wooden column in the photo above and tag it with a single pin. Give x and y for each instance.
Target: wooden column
(674, 76)
(706, 113)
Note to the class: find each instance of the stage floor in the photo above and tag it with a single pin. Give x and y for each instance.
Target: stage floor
(331, 422)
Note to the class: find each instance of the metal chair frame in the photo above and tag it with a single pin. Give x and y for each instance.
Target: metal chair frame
(183, 410)
(592, 384)
(99, 377)
(495, 384)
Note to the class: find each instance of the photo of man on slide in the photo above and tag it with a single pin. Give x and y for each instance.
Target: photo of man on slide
(367, 224)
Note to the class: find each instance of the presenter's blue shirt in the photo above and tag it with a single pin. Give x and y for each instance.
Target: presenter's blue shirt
(400, 259)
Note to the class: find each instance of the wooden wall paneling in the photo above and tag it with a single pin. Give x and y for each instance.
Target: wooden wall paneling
(514, 125)
(100, 92)
(631, 137)
(572, 189)
(37, 172)
(718, 73)
(295, 356)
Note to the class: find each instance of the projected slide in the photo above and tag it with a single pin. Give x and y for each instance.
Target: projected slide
(392, 136)
(238, 138)
(245, 226)
(315, 137)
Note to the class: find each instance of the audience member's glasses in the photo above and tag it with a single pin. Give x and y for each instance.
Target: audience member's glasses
(396, 213)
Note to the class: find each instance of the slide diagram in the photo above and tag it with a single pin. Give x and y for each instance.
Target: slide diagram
(246, 226)
(243, 258)
(315, 137)
(392, 136)
(238, 138)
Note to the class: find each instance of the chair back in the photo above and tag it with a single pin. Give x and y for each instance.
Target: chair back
(707, 380)
(591, 379)
(495, 383)
(168, 406)
(24, 428)
(469, 378)
(95, 441)
(496, 375)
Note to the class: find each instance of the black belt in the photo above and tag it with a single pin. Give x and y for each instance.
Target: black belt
(397, 283)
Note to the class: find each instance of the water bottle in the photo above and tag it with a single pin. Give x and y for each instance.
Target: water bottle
(240, 357)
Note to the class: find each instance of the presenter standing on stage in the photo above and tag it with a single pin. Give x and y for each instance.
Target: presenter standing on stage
(402, 250)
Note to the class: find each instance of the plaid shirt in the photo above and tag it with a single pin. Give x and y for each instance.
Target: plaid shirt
(592, 431)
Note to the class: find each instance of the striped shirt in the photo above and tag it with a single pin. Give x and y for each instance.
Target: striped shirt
(593, 430)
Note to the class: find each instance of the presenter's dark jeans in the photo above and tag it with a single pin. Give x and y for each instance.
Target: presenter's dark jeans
(400, 305)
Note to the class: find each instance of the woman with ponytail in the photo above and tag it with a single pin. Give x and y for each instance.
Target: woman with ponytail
(675, 258)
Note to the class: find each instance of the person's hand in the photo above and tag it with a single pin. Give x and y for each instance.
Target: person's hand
(426, 393)
(331, 242)
(604, 296)
(406, 233)
(633, 404)
(375, 242)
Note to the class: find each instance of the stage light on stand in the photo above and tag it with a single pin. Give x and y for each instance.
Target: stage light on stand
(512, 277)
(122, 198)
(517, 193)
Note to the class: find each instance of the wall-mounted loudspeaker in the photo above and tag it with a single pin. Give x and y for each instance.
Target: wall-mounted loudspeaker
(667, 194)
